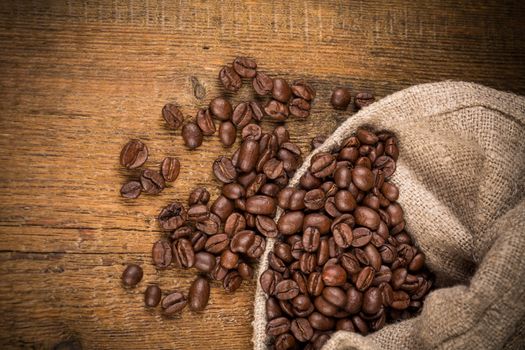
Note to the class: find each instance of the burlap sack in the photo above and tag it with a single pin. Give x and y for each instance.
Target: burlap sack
(461, 174)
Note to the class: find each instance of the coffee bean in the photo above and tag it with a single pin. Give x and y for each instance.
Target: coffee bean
(257, 111)
(277, 326)
(198, 213)
(151, 181)
(205, 122)
(311, 239)
(256, 250)
(152, 296)
(173, 303)
(204, 262)
(417, 262)
(372, 301)
(224, 170)
(221, 109)
(199, 294)
(245, 271)
(131, 189)
(161, 254)
(345, 201)
(300, 107)
(248, 155)
(334, 275)
(133, 154)
(262, 84)
(341, 98)
(242, 115)
(266, 226)
(282, 135)
(234, 223)
(183, 253)
(396, 214)
(345, 325)
(317, 141)
(173, 116)
(320, 321)
(286, 290)
(362, 237)
(367, 217)
(400, 300)
(320, 221)
(322, 165)
(241, 241)
(132, 275)
(398, 277)
(324, 306)
(277, 110)
(192, 135)
(232, 281)
(227, 133)
(390, 191)
(290, 222)
(219, 272)
(246, 67)
(199, 195)
(300, 88)
(251, 132)
(363, 178)
(281, 91)
(343, 235)
(261, 205)
(273, 310)
(365, 278)
(314, 199)
(363, 99)
(335, 296)
(360, 324)
(170, 169)
(229, 259)
(301, 329)
(230, 79)
(387, 164)
(284, 342)
(172, 216)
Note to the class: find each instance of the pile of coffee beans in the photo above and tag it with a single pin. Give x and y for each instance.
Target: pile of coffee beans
(341, 98)
(343, 260)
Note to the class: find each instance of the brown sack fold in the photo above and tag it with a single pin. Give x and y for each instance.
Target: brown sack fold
(461, 176)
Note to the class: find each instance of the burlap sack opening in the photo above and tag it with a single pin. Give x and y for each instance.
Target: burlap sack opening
(461, 175)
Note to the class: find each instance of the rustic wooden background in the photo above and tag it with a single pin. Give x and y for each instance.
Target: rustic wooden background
(79, 78)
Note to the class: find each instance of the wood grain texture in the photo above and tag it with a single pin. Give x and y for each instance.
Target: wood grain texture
(78, 79)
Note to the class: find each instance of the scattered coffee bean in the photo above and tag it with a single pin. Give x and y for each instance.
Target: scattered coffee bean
(170, 169)
(363, 99)
(230, 79)
(199, 294)
(192, 135)
(132, 275)
(152, 296)
(152, 182)
(246, 67)
(262, 84)
(341, 98)
(221, 109)
(173, 116)
(133, 154)
(205, 122)
(227, 133)
(131, 189)
(173, 303)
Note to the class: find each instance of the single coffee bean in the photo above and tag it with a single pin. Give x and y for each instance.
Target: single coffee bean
(302, 89)
(367, 217)
(234, 223)
(290, 222)
(311, 239)
(345, 201)
(183, 253)
(314, 199)
(366, 137)
(372, 301)
(217, 243)
(268, 280)
(199, 195)
(281, 91)
(232, 281)
(300, 107)
(262, 84)
(204, 262)
(398, 277)
(173, 116)
(286, 290)
(343, 235)
(345, 324)
(354, 300)
(198, 241)
(227, 133)
(277, 326)
(317, 141)
(172, 216)
(256, 250)
(210, 225)
(273, 310)
(230, 79)
(335, 296)
(390, 191)
(387, 164)
(320, 221)
(276, 263)
(245, 270)
(361, 237)
(173, 303)
(133, 154)
(266, 226)
(241, 241)
(301, 329)
(242, 115)
(219, 272)
(324, 306)
(161, 254)
(229, 259)
(152, 295)
(257, 110)
(307, 262)
(192, 135)
(401, 300)
(224, 170)
(246, 67)
(152, 182)
(199, 294)
(131, 189)
(417, 262)
(261, 205)
(363, 178)
(341, 98)
(334, 275)
(284, 342)
(360, 324)
(396, 214)
(323, 252)
(277, 110)
(322, 165)
(248, 156)
(320, 321)
(246, 179)
(315, 284)
(170, 169)
(363, 99)
(198, 213)
(132, 275)
(221, 109)
(365, 278)
(282, 135)
(374, 258)
(205, 122)
(251, 132)
(391, 148)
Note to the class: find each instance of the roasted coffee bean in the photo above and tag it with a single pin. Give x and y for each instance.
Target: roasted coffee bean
(173, 303)
(281, 91)
(205, 122)
(172, 216)
(343, 177)
(345, 324)
(204, 262)
(248, 155)
(152, 295)
(322, 164)
(365, 278)
(277, 326)
(230, 79)
(266, 226)
(387, 164)
(273, 168)
(198, 241)
(245, 270)
(283, 251)
(198, 212)
(366, 137)
(241, 241)
(307, 262)
(131, 189)
(273, 310)
(360, 324)
(335, 296)
(255, 185)
(299, 107)
(242, 115)
(391, 148)
(234, 223)
(221, 109)
(320, 321)
(199, 195)
(262, 84)
(132, 275)
(367, 217)
(302, 89)
(199, 294)
(210, 225)
(257, 111)
(256, 250)
(314, 199)
(227, 133)
(343, 235)
(361, 237)
(372, 301)
(192, 135)
(363, 178)
(290, 223)
(398, 277)
(173, 116)
(417, 262)
(363, 99)
(311, 239)
(261, 205)
(395, 212)
(324, 306)
(301, 329)
(133, 154)
(232, 281)
(151, 181)
(321, 221)
(217, 243)
(233, 191)
(219, 272)
(276, 263)
(268, 280)
(390, 191)
(286, 290)
(315, 284)
(284, 342)
(400, 300)
(341, 98)
(308, 181)
(246, 67)
(183, 253)
(323, 252)
(170, 169)
(277, 110)
(229, 259)
(334, 275)
(224, 170)
(222, 207)
(251, 132)
(162, 254)
(345, 201)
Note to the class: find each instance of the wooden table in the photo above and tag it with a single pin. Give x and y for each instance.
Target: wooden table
(78, 79)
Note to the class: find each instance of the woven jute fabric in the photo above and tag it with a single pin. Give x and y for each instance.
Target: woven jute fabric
(461, 177)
